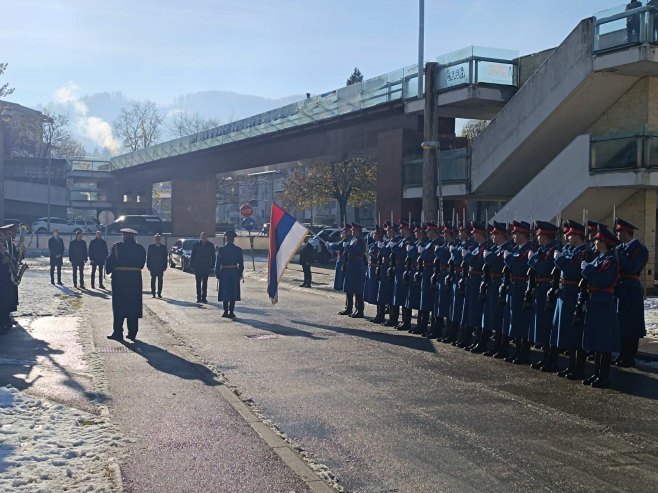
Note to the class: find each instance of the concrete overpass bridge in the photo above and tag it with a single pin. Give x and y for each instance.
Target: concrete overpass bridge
(381, 117)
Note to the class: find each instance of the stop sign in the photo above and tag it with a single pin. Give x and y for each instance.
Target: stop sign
(246, 210)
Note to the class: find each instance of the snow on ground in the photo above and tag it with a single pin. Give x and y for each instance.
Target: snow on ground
(48, 447)
(651, 316)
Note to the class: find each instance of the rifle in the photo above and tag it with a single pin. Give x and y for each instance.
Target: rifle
(390, 272)
(529, 294)
(583, 295)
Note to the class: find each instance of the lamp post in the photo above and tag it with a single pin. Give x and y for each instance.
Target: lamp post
(429, 145)
(47, 119)
(421, 45)
(5, 117)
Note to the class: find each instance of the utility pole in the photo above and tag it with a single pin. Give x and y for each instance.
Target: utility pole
(2, 173)
(430, 142)
(421, 45)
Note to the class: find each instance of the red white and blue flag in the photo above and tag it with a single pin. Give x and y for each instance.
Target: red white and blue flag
(286, 236)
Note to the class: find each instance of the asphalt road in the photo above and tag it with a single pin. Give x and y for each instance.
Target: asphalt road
(382, 410)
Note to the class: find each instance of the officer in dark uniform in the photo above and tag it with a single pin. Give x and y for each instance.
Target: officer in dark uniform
(355, 270)
(443, 291)
(387, 273)
(371, 288)
(400, 290)
(601, 332)
(229, 268)
(125, 263)
(413, 278)
(426, 319)
(156, 263)
(568, 337)
(542, 263)
(519, 315)
(202, 261)
(97, 254)
(495, 318)
(6, 285)
(56, 250)
(78, 257)
(339, 278)
(474, 304)
(633, 257)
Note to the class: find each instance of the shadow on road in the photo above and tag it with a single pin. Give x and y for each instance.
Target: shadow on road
(172, 301)
(396, 339)
(278, 329)
(166, 362)
(20, 352)
(96, 294)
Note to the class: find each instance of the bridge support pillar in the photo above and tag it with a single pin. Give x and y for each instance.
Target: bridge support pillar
(193, 206)
(390, 149)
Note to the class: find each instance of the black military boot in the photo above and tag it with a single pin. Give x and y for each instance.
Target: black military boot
(482, 343)
(349, 305)
(436, 328)
(379, 318)
(597, 369)
(421, 324)
(544, 357)
(451, 332)
(572, 365)
(497, 338)
(550, 366)
(393, 316)
(406, 320)
(503, 348)
(360, 307)
(603, 380)
(579, 369)
(523, 357)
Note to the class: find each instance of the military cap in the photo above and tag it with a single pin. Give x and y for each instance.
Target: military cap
(546, 228)
(417, 227)
(478, 226)
(593, 226)
(404, 224)
(565, 227)
(230, 234)
(357, 226)
(347, 227)
(499, 228)
(520, 227)
(431, 226)
(604, 234)
(576, 228)
(387, 225)
(621, 225)
(128, 230)
(447, 228)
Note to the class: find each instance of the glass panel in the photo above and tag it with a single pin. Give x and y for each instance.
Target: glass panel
(617, 28)
(455, 75)
(90, 165)
(494, 53)
(651, 144)
(413, 173)
(454, 165)
(495, 73)
(615, 154)
(88, 196)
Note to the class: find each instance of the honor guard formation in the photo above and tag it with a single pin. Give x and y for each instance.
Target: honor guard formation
(124, 262)
(488, 287)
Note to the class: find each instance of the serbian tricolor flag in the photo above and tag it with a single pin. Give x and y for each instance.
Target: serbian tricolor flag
(286, 236)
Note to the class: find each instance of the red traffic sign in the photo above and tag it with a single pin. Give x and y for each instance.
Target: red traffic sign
(246, 210)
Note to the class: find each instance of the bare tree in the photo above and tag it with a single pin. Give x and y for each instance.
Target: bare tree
(5, 90)
(473, 128)
(138, 125)
(184, 123)
(58, 139)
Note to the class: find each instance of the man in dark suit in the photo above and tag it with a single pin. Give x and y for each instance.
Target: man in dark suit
(56, 249)
(156, 263)
(202, 261)
(306, 254)
(97, 255)
(78, 257)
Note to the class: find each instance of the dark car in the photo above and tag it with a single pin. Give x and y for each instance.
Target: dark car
(180, 253)
(143, 224)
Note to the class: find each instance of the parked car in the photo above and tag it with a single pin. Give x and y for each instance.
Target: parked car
(143, 224)
(86, 225)
(181, 252)
(63, 225)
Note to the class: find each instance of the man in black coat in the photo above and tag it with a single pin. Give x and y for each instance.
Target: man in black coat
(306, 254)
(156, 263)
(97, 255)
(203, 262)
(56, 249)
(125, 263)
(78, 256)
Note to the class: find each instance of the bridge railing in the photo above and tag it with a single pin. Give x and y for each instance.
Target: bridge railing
(618, 28)
(624, 152)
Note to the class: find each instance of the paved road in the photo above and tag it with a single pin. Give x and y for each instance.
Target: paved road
(383, 410)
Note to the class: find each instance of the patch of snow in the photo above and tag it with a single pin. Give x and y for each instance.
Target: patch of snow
(50, 447)
(651, 316)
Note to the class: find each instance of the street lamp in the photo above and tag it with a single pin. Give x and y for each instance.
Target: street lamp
(428, 145)
(421, 45)
(47, 119)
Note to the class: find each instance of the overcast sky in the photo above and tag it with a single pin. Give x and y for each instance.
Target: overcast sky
(273, 48)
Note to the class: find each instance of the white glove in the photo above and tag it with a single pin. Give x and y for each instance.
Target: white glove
(409, 248)
(506, 253)
(464, 251)
(583, 264)
(530, 253)
(486, 253)
(557, 254)
(380, 244)
(421, 249)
